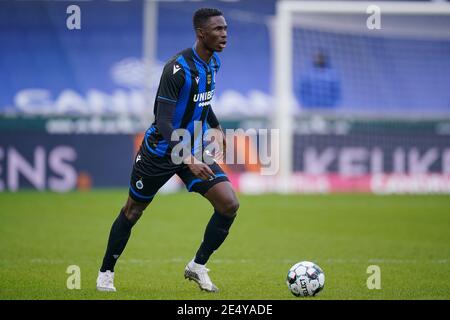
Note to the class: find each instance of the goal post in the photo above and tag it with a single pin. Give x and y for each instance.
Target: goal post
(287, 13)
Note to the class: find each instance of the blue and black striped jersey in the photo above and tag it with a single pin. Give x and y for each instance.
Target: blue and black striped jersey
(188, 82)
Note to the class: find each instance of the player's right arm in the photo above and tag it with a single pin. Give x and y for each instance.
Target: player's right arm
(171, 83)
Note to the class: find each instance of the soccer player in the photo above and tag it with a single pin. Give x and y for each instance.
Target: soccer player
(184, 96)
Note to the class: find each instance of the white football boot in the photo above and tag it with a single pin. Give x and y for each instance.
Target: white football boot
(105, 281)
(199, 274)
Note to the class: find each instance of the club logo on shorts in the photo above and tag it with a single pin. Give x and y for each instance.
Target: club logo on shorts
(139, 184)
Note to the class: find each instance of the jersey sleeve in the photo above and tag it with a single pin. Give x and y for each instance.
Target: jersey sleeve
(172, 80)
(164, 118)
(212, 119)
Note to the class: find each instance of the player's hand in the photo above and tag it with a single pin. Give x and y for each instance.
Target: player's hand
(224, 147)
(199, 169)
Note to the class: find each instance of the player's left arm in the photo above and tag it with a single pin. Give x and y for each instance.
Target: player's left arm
(212, 119)
(214, 123)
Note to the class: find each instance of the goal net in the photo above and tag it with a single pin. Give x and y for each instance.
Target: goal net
(362, 96)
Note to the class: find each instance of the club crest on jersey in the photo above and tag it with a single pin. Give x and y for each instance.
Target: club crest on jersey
(208, 78)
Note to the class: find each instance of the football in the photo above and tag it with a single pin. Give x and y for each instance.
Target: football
(305, 279)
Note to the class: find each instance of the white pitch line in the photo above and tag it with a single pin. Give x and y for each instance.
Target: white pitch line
(238, 261)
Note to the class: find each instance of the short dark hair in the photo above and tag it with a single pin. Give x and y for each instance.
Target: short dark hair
(202, 15)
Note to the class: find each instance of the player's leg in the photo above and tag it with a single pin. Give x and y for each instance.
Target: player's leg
(118, 237)
(143, 187)
(221, 195)
(121, 231)
(225, 204)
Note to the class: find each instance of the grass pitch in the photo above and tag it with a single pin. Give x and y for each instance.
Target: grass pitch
(408, 237)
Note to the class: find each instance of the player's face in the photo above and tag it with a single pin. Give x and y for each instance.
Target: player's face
(215, 33)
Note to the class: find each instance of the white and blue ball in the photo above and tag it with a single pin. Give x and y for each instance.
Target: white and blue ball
(305, 279)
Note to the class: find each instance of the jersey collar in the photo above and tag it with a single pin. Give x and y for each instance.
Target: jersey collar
(207, 65)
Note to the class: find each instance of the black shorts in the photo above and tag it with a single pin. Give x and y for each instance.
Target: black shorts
(150, 172)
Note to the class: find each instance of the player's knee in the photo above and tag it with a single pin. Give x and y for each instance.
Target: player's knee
(230, 208)
(133, 213)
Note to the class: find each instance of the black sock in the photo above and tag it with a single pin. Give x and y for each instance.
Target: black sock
(215, 234)
(118, 238)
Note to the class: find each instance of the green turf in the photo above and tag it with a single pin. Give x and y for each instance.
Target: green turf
(41, 234)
